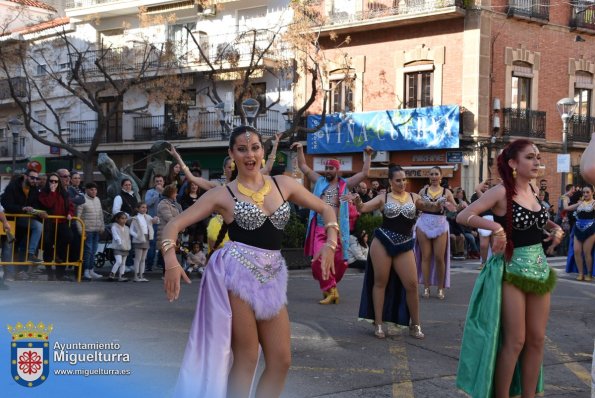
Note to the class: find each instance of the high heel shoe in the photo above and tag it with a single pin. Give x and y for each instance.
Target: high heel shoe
(415, 332)
(441, 294)
(588, 278)
(331, 298)
(580, 277)
(378, 332)
(426, 293)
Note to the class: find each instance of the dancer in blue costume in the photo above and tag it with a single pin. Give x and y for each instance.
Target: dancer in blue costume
(392, 266)
(510, 303)
(243, 293)
(582, 239)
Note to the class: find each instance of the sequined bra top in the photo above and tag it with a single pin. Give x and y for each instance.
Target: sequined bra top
(399, 217)
(253, 227)
(440, 199)
(527, 225)
(585, 211)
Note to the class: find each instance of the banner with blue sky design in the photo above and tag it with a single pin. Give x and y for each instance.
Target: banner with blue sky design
(434, 127)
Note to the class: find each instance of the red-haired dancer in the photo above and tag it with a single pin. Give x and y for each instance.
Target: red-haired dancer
(510, 303)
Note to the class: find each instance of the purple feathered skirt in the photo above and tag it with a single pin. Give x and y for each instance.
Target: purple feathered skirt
(257, 276)
(432, 225)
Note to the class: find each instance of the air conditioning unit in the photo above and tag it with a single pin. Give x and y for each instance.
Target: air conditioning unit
(380, 156)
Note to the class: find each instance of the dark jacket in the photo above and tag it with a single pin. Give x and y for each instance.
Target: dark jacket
(14, 199)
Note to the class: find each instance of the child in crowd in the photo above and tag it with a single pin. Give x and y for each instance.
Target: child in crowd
(141, 230)
(121, 246)
(196, 259)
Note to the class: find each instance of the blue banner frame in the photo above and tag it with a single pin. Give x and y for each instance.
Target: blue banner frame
(415, 129)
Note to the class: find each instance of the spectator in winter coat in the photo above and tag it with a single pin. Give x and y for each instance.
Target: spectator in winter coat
(91, 214)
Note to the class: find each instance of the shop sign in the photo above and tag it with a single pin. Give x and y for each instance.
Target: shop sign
(454, 157)
(346, 162)
(434, 127)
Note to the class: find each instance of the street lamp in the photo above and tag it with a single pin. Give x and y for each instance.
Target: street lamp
(222, 117)
(15, 126)
(566, 108)
(288, 116)
(250, 107)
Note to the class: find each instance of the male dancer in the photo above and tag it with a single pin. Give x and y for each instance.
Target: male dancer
(330, 188)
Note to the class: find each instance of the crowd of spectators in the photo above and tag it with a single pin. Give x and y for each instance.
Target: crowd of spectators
(47, 235)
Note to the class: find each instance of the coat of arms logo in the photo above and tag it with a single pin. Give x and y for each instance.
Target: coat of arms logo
(29, 348)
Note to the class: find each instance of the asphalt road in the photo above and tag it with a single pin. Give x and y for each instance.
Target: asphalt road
(334, 355)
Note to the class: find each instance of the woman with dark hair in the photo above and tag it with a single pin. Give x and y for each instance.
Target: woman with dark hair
(55, 199)
(195, 232)
(580, 252)
(432, 243)
(173, 175)
(509, 306)
(392, 261)
(357, 252)
(242, 299)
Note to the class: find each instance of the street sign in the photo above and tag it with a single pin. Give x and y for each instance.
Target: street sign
(454, 157)
(564, 163)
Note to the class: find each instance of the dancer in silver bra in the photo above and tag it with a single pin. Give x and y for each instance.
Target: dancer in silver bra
(389, 293)
(242, 299)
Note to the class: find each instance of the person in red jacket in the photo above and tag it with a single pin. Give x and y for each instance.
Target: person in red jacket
(58, 235)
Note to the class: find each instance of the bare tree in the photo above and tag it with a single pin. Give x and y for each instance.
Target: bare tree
(63, 71)
(287, 53)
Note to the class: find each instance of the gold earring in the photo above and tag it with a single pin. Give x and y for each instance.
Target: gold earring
(233, 165)
(263, 162)
(514, 172)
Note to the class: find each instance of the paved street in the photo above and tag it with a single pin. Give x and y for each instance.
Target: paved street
(334, 355)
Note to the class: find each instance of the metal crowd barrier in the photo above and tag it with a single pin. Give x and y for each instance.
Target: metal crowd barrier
(17, 259)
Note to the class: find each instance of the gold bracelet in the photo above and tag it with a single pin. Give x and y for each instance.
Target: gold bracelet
(333, 225)
(469, 218)
(166, 249)
(167, 242)
(499, 231)
(170, 268)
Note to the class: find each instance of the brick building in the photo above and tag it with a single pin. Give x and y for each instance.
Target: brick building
(504, 63)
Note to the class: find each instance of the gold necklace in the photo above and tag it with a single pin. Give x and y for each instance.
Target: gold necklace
(402, 199)
(256, 196)
(435, 194)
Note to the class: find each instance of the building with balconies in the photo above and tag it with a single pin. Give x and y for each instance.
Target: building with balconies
(161, 37)
(505, 63)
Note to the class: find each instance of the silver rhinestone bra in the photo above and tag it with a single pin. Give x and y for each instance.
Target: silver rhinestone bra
(249, 216)
(394, 209)
(523, 219)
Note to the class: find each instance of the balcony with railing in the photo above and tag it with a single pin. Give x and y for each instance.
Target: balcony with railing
(7, 148)
(583, 15)
(366, 12)
(123, 59)
(206, 127)
(81, 132)
(19, 85)
(580, 129)
(530, 9)
(523, 123)
(151, 128)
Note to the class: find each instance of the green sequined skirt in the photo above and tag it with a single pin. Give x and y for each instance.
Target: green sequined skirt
(527, 270)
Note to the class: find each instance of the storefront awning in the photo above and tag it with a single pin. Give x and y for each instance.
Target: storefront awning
(412, 171)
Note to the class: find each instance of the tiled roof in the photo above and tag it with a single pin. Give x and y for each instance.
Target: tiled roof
(34, 3)
(53, 23)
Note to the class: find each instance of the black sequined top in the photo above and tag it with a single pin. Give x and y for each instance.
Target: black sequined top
(440, 199)
(399, 218)
(527, 225)
(253, 227)
(585, 211)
